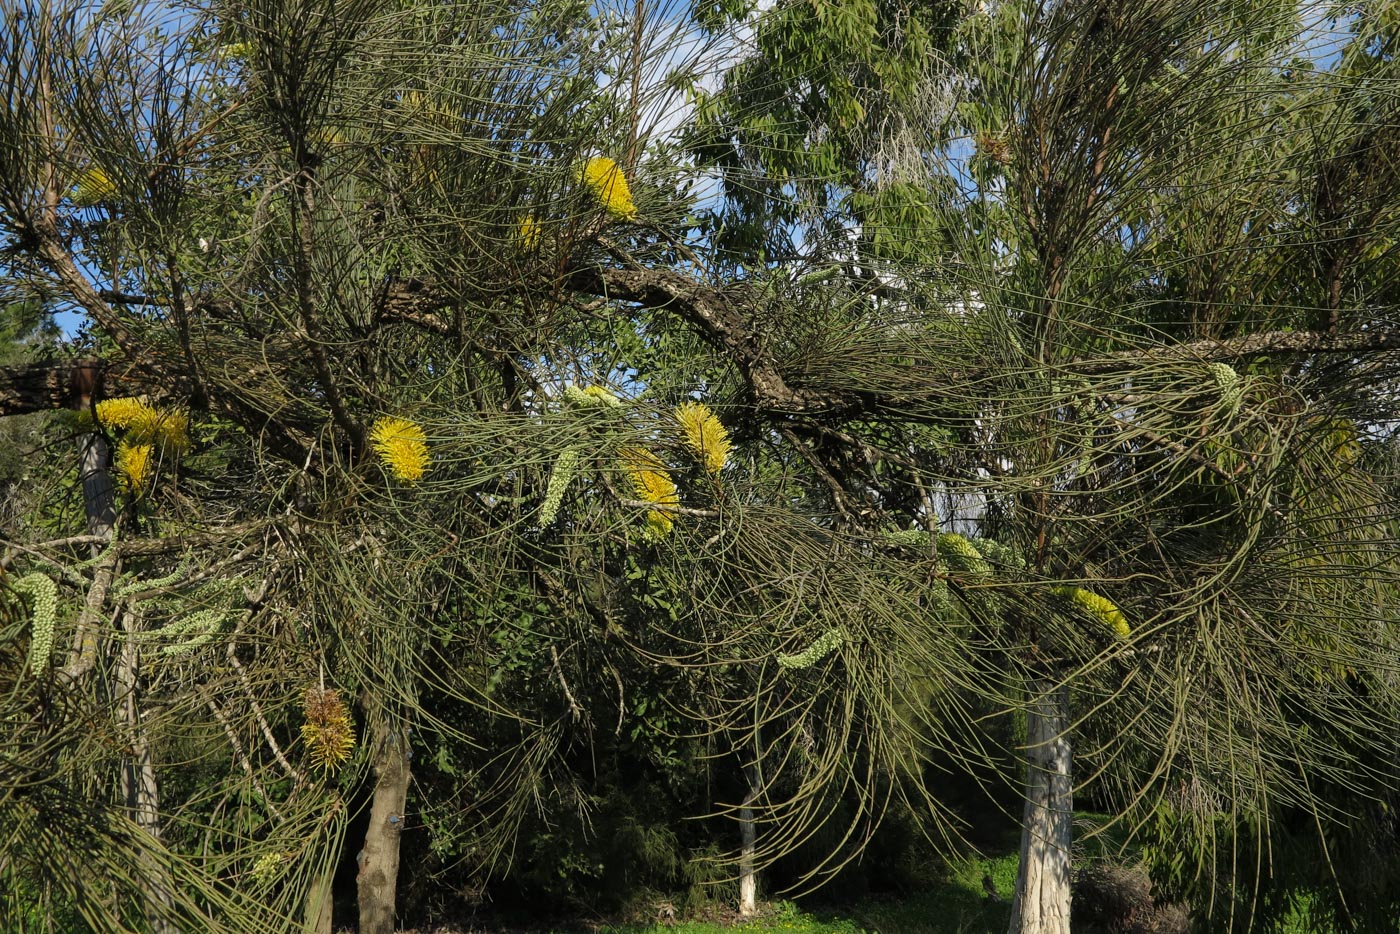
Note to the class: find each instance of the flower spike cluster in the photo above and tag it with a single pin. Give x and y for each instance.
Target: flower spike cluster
(653, 484)
(402, 447)
(328, 731)
(609, 186)
(146, 430)
(704, 435)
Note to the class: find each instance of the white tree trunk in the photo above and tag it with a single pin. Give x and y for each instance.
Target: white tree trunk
(94, 469)
(748, 875)
(1041, 903)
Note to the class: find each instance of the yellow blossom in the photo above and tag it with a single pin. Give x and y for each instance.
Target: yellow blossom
(135, 464)
(1099, 607)
(145, 424)
(93, 186)
(527, 233)
(128, 414)
(653, 484)
(704, 434)
(658, 525)
(328, 731)
(401, 445)
(172, 430)
(607, 183)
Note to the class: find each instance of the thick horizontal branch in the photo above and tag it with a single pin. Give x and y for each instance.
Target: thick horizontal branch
(1265, 343)
(722, 316)
(39, 387)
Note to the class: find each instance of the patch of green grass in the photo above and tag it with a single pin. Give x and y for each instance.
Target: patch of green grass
(957, 904)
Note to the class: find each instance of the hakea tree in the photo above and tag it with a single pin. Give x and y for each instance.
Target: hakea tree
(320, 254)
(1111, 311)
(1044, 369)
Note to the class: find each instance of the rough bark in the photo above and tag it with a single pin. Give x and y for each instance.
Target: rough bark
(748, 832)
(379, 860)
(1042, 901)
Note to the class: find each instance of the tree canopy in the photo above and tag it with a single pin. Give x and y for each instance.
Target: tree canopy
(456, 427)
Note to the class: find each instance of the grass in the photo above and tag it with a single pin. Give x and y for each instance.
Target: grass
(957, 905)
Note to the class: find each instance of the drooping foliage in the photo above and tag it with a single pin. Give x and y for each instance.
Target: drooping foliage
(480, 482)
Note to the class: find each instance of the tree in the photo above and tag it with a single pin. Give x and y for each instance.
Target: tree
(388, 258)
(1114, 319)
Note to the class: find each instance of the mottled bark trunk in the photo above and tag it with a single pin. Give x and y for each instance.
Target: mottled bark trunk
(748, 834)
(1042, 901)
(379, 860)
(139, 787)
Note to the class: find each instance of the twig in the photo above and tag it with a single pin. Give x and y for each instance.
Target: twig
(242, 757)
(559, 670)
(292, 771)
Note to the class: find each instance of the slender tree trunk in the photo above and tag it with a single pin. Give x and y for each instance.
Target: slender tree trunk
(748, 832)
(1041, 903)
(94, 470)
(379, 860)
(139, 787)
(319, 902)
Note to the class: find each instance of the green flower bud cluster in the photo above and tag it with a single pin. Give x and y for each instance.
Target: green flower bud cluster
(1229, 385)
(138, 584)
(825, 644)
(43, 598)
(267, 867)
(907, 538)
(564, 469)
(961, 556)
(1099, 607)
(999, 555)
(594, 397)
(200, 626)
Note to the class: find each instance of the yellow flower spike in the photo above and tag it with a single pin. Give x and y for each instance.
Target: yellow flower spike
(172, 431)
(652, 484)
(135, 464)
(704, 435)
(128, 414)
(402, 447)
(607, 183)
(1099, 607)
(145, 424)
(527, 233)
(659, 525)
(93, 186)
(328, 732)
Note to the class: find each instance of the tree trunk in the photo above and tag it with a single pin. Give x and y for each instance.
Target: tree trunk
(140, 791)
(319, 902)
(748, 876)
(1041, 903)
(94, 470)
(379, 860)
